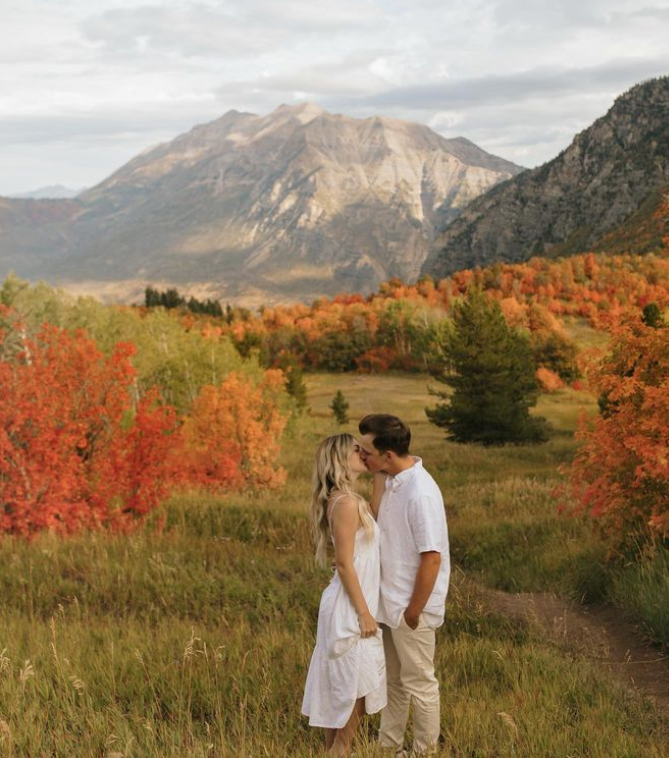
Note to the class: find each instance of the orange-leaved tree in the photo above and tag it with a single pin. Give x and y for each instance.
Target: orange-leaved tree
(232, 435)
(71, 454)
(549, 380)
(620, 475)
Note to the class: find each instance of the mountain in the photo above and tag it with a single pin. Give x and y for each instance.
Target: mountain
(33, 235)
(52, 192)
(257, 209)
(600, 188)
(642, 232)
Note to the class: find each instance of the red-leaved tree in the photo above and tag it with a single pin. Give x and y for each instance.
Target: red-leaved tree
(73, 454)
(620, 475)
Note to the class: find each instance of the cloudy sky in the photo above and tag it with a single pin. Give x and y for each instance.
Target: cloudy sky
(87, 84)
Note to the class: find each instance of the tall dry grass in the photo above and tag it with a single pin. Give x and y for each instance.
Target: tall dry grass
(195, 641)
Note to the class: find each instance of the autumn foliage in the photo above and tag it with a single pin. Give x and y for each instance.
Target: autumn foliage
(400, 326)
(80, 450)
(141, 467)
(67, 459)
(94, 434)
(549, 380)
(620, 475)
(233, 431)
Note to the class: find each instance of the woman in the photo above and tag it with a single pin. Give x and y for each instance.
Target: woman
(347, 674)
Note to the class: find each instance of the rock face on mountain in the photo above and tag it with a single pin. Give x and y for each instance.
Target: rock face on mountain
(292, 205)
(568, 204)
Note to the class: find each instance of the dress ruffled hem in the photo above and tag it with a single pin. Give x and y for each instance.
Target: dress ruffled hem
(334, 684)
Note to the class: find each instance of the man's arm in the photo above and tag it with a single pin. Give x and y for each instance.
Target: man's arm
(426, 576)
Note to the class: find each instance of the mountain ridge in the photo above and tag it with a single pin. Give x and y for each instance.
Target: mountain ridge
(572, 202)
(298, 203)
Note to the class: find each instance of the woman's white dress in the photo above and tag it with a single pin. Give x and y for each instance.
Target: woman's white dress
(344, 666)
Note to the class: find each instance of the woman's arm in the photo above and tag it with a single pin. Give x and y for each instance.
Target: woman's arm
(378, 488)
(344, 522)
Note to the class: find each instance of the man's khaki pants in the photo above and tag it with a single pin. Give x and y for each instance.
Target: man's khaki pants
(410, 674)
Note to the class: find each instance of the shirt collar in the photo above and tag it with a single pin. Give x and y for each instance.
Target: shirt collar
(395, 482)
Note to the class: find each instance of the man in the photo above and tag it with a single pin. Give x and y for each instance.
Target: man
(415, 570)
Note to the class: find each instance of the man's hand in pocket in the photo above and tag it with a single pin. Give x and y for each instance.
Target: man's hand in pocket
(411, 619)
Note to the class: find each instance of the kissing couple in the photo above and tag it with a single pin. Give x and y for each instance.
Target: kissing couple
(377, 618)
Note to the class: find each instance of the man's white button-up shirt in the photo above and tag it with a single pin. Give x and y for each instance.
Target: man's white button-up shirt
(412, 520)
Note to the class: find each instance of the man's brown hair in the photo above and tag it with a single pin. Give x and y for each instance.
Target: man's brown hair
(389, 432)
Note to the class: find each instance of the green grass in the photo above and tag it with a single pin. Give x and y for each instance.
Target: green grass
(504, 523)
(172, 643)
(580, 331)
(642, 590)
(194, 641)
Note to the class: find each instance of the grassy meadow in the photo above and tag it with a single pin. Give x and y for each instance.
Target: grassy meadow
(194, 641)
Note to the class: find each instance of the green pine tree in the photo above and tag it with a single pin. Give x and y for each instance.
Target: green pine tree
(492, 375)
(339, 407)
(296, 387)
(151, 297)
(652, 315)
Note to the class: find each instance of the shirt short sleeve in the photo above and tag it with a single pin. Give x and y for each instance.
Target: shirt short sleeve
(428, 524)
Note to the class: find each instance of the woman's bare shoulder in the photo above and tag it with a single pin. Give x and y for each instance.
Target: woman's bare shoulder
(342, 503)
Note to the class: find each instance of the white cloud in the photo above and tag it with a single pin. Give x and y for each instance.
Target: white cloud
(445, 120)
(520, 86)
(353, 75)
(86, 83)
(226, 30)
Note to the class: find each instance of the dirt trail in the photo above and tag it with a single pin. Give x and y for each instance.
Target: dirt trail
(599, 632)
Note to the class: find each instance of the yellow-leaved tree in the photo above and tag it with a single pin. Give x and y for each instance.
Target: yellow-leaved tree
(233, 431)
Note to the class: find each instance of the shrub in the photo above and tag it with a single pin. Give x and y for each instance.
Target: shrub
(620, 475)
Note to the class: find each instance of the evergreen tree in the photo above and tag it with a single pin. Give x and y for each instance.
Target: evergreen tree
(652, 315)
(339, 407)
(215, 308)
(171, 298)
(151, 297)
(492, 374)
(295, 385)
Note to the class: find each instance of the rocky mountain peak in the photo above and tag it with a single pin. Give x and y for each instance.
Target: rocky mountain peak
(297, 203)
(303, 112)
(568, 204)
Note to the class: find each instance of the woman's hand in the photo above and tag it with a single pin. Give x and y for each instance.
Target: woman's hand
(368, 626)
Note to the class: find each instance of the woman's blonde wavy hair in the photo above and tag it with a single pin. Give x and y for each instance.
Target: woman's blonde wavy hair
(332, 474)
